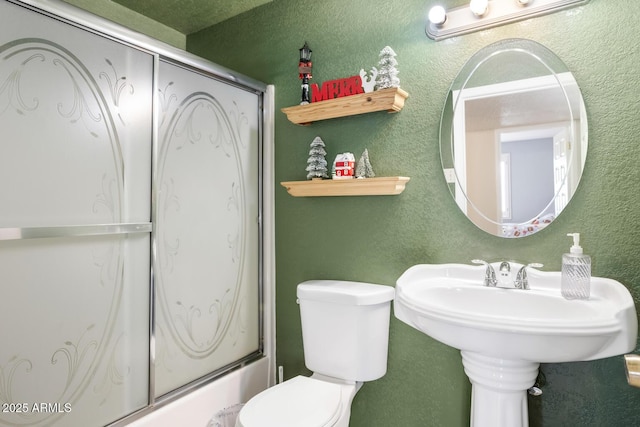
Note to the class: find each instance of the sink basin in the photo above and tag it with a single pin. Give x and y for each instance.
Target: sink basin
(450, 303)
(504, 333)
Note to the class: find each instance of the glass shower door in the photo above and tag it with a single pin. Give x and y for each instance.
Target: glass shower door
(130, 243)
(75, 178)
(207, 231)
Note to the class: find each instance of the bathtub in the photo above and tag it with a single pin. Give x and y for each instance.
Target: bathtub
(197, 408)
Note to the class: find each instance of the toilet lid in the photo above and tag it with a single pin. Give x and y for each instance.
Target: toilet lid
(300, 401)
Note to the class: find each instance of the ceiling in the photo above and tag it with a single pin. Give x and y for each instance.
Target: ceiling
(189, 16)
(520, 109)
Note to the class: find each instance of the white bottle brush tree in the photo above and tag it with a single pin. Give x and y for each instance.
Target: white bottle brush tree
(316, 163)
(364, 168)
(387, 71)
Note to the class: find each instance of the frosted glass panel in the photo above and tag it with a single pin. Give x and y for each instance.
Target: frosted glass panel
(207, 229)
(74, 330)
(74, 108)
(75, 149)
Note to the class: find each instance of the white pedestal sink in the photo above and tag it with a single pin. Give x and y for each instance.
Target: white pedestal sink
(504, 334)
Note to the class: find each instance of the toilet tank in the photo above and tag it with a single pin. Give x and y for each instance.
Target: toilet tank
(345, 328)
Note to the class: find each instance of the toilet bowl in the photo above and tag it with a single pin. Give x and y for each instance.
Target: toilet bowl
(345, 334)
(301, 401)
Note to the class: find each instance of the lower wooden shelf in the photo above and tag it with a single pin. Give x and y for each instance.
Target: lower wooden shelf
(379, 186)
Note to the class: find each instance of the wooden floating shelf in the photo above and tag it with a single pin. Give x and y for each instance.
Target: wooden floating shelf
(391, 100)
(379, 186)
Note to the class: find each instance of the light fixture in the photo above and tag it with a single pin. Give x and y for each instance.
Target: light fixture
(437, 15)
(479, 7)
(483, 14)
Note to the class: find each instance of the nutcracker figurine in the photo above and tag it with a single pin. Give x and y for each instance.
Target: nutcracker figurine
(304, 70)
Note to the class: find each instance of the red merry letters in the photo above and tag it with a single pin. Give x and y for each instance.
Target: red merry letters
(336, 88)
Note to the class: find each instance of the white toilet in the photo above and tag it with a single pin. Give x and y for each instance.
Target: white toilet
(345, 334)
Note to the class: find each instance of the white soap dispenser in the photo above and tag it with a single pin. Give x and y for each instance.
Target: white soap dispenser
(576, 271)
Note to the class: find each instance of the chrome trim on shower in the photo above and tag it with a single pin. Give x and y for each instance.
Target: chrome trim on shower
(21, 233)
(155, 132)
(88, 21)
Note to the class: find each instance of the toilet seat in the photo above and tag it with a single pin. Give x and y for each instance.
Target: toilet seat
(300, 401)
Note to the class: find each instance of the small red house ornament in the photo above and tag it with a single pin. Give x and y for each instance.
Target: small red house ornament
(344, 166)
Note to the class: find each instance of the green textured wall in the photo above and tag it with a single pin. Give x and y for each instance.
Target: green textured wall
(376, 238)
(133, 20)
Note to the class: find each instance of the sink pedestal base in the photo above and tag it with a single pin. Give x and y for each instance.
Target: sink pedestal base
(499, 390)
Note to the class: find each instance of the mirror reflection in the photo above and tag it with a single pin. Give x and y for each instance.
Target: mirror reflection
(513, 138)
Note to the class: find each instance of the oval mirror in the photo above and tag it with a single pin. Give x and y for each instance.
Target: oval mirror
(513, 138)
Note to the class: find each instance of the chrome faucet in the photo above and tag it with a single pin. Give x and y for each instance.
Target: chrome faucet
(505, 273)
(489, 274)
(503, 279)
(522, 282)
